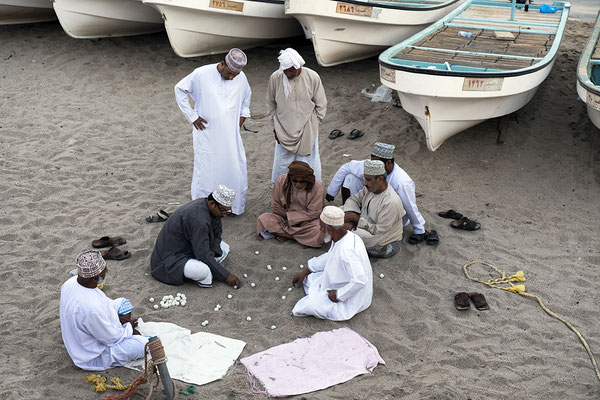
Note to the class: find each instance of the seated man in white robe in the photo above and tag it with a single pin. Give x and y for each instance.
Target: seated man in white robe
(339, 283)
(96, 330)
(350, 177)
(375, 213)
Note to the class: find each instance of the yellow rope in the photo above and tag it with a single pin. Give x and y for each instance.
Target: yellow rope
(506, 283)
(99, 383)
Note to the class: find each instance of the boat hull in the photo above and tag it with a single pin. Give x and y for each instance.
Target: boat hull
(88, 19)
(25, 11)
(339, 38)
(588, 90)
(198, 28)
(592, 102)
(454, 107)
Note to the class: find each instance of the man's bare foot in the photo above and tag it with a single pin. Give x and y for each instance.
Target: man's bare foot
(260, 237)
(281, 239)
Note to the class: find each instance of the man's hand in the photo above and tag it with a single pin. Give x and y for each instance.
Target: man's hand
(299, 277)
(329, 197)
(275, 134)
(233, 280)
(351, 220)
(200, 123)
(332, 294)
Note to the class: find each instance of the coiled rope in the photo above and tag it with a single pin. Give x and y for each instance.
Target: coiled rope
(506, 283)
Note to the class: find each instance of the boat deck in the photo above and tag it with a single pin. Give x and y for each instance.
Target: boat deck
(498, 43)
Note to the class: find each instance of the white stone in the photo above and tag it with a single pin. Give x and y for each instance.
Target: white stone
(276, 278)
(235, 287)
(289, 289)
(253, 284)
(156, 306)
(257, 252)
(248, 318)
(284, 268)
(151, 299)
(216, 308)
(183, 303)
(301, 266)
(381, 275)
(176, 302)
(273, 327)
(230, 296)
(283, 297)
(245, 275)
(269, 267)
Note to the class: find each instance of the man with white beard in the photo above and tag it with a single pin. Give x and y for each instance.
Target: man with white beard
(339, 283)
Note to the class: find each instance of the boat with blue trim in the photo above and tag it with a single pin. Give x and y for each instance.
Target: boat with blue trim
(484, 60)
(25, 11)
(350, 30)
(588, 74)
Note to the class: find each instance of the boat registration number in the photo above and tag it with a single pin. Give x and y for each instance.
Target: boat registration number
(593, 101)
(353, 9)
(227, 5)
(387, 74)
(482, 84)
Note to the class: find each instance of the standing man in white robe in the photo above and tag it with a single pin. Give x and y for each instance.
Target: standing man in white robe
(339, 283)
(96, 330)
(350, 177)
(221, 95)
(297, 104)
(375, 213)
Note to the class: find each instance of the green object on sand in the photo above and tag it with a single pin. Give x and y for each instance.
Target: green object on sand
(188, 390)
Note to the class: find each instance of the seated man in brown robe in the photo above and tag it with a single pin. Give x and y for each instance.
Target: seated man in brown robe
(297, 202)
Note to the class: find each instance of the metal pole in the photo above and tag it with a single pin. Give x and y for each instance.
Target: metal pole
(165, 377)
(512, 10)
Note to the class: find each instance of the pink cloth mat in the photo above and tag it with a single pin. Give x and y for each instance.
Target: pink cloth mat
(308, 364)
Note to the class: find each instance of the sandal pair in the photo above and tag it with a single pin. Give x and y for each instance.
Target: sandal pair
(430, 237)
(354, 134)
(461, 222)
(461, 301)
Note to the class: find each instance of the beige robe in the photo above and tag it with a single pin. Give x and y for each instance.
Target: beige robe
(300, 219)
(296, 118)
(380, 216)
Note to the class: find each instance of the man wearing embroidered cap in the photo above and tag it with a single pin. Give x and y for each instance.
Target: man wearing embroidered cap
(350, 178)
(221, 95)
(97, 331)
(339, 283)
(189, 245)
(296, 102)
(376, 212)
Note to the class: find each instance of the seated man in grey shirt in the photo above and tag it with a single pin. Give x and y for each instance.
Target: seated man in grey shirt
(189, 245)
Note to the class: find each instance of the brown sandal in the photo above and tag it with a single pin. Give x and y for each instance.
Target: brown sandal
(461, 301)
(106, 241)
(114, 253)
(479, 301)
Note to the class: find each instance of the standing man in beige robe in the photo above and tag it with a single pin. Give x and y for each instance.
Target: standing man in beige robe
(296, 204)
(297, 104)
(376, 213)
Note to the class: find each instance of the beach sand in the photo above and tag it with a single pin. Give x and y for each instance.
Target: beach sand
(92, 141)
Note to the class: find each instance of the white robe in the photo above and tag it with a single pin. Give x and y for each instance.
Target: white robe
(352, 176)
(345, 268)
(91, 330)
(219, 155)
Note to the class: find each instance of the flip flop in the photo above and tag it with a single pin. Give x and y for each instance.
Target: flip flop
(461, 301)
(106, 241)
(415, 238)
(115, 253)
(155, 218)
(165, 215)
(450, 214)
(355, 134)
(431, 237)
(465, 224)
(478, 300)
(335, 133)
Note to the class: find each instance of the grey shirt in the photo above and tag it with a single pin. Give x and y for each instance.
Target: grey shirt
(191, 232)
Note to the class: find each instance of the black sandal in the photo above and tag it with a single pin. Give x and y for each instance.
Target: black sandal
(355, 134)
(431, 237)
(465, 224)
(335, 133)
(155, 218)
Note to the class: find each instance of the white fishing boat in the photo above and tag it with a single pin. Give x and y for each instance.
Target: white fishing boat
(486, 59)
(588, 75)
(88, 19)
(25, 11)
(345, 31)
(201, 27)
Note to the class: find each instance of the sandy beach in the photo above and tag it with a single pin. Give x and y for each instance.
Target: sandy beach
(92, 141)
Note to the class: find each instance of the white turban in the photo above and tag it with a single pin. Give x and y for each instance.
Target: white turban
(289, 58)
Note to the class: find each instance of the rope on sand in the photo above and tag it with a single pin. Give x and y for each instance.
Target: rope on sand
(158, 356)
(506, 283)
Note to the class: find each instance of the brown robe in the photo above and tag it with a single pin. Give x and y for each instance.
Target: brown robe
(300, 219)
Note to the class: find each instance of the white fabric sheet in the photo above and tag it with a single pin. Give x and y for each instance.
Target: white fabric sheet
(197, 358)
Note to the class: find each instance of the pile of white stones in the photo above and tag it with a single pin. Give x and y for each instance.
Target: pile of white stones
(169, 301)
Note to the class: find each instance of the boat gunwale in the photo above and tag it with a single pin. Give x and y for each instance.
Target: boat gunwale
(585, 59)
(398, 7)
(548, 58)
